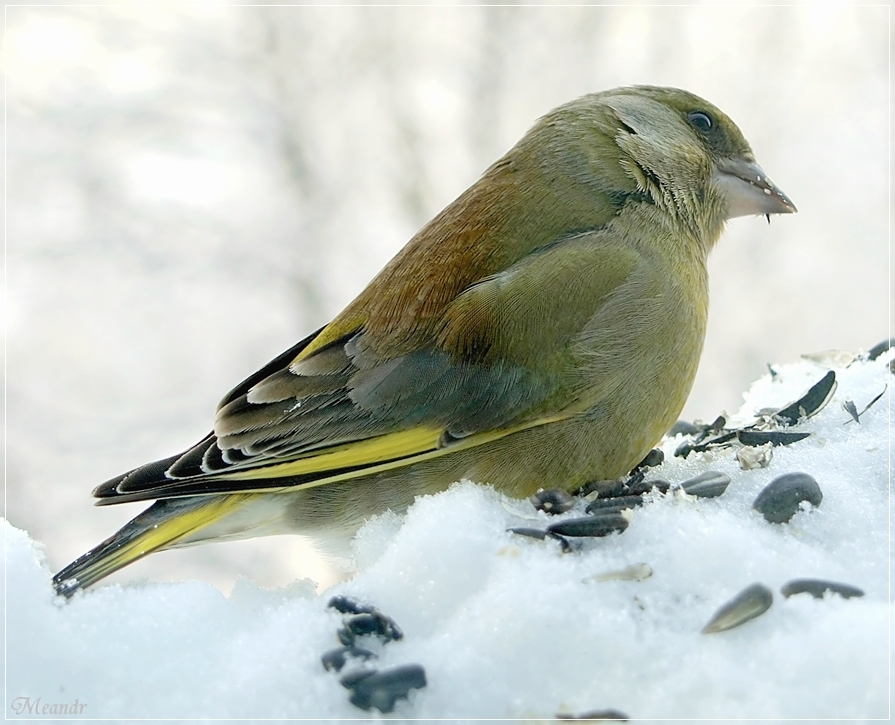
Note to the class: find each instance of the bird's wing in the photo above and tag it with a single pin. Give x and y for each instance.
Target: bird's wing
(498, 365)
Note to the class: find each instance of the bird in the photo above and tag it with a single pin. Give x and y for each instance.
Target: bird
(542, 331)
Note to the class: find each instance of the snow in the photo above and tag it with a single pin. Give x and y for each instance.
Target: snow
(510, 627)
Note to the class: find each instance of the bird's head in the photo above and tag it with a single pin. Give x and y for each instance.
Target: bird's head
(688, 153)
(687, 156)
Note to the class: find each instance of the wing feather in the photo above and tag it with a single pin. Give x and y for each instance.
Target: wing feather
(346, 410)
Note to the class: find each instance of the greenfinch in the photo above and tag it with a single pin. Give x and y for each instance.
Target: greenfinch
(542, 331)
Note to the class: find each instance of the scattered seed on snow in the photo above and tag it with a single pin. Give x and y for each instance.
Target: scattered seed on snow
(780, 500)
(818, 587)
(752, 602)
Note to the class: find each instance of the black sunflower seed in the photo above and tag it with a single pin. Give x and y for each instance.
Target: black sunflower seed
(590, 525)
(380, 690)
(347, 605)
(643, 487)
(552, 501)
(613, 505)
(817, 587)
(874, 352)
(369, 623)
(683, 427)
(652, 459)
(335, 659)
(779, 501)
(707, 485)
(608, 714)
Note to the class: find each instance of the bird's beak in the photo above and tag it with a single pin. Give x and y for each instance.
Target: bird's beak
(749, 190)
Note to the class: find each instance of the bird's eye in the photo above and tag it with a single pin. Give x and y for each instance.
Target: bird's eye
(701, 121)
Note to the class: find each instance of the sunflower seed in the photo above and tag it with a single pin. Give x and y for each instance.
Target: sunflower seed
(707, 485)
(642, 487)
(603, 489)
(817, 587)
(335, 659)
(590, 525)
(753, 601)
(595, 715)
(613, 505)
(874, 352)
(542, 534)
(779, 501)
(552, 501)
(382, 689)
(369, 623)
(347, 605)
(653, 458)
(682, 427)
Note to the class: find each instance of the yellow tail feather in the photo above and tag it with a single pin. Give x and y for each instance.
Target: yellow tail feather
(161, 526)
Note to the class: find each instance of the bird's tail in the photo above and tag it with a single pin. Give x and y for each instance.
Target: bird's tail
(165, 524)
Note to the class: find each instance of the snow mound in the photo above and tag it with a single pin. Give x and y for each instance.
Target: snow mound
(510, 627)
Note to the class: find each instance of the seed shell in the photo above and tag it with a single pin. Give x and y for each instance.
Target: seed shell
(717, 425)
(752, 457)
(687, 447)
(852, 410)
(817, 396)
(774, 437)
(830, 358)
(633, 573)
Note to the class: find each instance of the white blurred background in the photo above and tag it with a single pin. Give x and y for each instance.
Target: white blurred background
(190, 190)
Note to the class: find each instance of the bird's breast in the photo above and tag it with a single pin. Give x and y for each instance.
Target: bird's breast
(638, 358)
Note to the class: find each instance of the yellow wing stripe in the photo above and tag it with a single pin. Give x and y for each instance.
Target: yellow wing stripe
(361, 453)
(377, 455)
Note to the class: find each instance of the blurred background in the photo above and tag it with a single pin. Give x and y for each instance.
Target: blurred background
(192, 189)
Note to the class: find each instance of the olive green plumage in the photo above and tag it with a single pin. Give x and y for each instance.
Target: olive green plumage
(543, 330)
